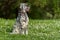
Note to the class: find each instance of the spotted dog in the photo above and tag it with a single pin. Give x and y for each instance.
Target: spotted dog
(21, 25)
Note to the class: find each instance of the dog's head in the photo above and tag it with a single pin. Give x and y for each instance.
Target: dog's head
(24, 7)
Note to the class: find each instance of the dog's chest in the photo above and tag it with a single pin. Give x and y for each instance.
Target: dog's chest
(23, 18)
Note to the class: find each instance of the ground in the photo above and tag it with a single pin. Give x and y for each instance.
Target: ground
(38, 30)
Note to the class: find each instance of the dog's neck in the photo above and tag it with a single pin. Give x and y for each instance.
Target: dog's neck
(23, 12)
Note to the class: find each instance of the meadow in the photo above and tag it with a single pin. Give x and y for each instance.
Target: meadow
(38, 30)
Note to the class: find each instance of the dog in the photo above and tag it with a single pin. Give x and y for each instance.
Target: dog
(21, 25)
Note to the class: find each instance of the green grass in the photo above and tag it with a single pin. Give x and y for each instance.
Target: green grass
(38, 30)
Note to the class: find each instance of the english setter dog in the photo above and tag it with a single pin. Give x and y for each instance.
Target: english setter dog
(21, 25)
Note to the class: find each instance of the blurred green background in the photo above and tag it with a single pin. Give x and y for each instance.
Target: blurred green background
(40, 9)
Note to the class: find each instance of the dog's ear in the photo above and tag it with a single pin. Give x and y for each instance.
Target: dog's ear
(27, 8)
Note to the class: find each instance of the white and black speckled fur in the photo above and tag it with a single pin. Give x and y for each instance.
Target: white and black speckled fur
(21, 25)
